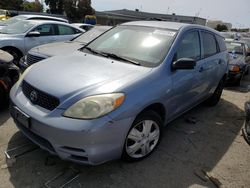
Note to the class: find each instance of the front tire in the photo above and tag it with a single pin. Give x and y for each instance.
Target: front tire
(143, 136)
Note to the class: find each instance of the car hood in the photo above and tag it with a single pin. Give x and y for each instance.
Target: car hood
(57, 48)
(82, 74)
(236, 59)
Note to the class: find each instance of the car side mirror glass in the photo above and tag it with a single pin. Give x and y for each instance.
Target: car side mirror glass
(184, 63)
(33, 34)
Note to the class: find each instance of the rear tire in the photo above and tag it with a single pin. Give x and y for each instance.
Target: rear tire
(143, 136)
(215, 98)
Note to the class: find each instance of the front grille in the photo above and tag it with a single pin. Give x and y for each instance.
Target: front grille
(42, 99)
(31, 59)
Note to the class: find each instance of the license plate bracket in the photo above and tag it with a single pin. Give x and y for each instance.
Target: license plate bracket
(22, 118)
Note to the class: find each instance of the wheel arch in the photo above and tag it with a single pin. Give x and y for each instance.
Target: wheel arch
(156, 107)
(5, 48)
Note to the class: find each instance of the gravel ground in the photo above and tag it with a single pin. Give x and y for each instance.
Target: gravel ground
(204, 139)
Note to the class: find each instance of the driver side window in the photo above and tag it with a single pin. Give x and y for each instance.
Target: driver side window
(45, 30)
(189, 46)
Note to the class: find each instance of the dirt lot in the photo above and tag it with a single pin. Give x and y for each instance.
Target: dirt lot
(210, 141)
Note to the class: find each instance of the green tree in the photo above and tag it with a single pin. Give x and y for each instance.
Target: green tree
(222, 27)
(74, 9)
(32, 6)
(11, 4)
(55, 6)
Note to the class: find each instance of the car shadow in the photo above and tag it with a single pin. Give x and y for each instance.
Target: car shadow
(197, 140)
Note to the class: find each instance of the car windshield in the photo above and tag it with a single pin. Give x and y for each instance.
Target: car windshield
(234, 47)
(145, 45)
(17, 28)
(13, 20)
(90, 35)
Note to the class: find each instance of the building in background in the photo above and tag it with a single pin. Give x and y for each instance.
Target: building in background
(115, 17)
(214, 23)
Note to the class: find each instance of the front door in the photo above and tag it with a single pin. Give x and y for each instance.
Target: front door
(47, 35)
(186, 84)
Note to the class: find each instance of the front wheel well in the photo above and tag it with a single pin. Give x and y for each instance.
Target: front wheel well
(156, 107)
(7, 48)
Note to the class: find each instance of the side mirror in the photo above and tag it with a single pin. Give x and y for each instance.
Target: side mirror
(33, 34)
(184, 63)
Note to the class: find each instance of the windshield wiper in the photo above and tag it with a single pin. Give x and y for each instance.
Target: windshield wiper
(114, 56)
(95, 51)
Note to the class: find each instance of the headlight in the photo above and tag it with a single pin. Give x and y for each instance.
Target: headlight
(234, 68)
(95, 106)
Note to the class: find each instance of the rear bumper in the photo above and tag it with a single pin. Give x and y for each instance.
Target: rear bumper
(234, 77)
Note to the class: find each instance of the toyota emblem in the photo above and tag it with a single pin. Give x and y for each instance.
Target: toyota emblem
(33, 96)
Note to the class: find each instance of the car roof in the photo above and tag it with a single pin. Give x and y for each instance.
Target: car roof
(106, 27)
(169, 25)
(37, 22)
(81, 24)
(158, 24)
(28, 16)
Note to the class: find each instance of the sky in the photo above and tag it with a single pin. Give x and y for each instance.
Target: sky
(235, 12)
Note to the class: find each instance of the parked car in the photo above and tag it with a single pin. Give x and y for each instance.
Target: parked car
(84, 26)
(20, 37)
(30, 17)
(112, 98)
(4, 15)
(42, 52)
(9, 74)
(246, 128)
(231, 35)
(247, 41)
(239, 61)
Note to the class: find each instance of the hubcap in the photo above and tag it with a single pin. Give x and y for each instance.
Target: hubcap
(142, 138)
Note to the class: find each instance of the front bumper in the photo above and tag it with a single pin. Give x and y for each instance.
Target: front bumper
(83, 141)
(246, 128)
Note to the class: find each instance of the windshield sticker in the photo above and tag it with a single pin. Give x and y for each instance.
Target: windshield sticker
(162, 32)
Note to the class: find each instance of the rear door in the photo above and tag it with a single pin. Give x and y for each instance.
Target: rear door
(213, 62)
(47, 35)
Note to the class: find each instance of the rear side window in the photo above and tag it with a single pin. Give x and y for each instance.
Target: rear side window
(221, 43)
(65, 30)
(189, 46)
(209, 44)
